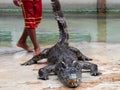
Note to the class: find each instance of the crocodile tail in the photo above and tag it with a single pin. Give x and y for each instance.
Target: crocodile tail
(64, 36)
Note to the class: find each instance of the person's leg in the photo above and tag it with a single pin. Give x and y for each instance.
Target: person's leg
(32, 35)
(22, 41)
(30, 23)
(37, 9)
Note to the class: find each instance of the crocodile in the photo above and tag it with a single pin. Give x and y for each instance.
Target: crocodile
(63, 60)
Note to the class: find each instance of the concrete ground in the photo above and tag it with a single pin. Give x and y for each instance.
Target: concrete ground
(13, 76)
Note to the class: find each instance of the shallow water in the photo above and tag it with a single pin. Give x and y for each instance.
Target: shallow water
(89, 29)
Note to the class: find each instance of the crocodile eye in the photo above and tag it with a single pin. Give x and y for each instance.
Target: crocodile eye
(63, 64)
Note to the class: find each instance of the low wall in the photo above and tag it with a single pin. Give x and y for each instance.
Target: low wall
(69, 4)
(66, 4)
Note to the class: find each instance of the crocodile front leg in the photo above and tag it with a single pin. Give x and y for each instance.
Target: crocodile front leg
(90, 66)
(36, 58)
(80, 56)
(44, 72)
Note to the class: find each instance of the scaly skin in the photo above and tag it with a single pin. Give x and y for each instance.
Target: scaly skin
(65, 61)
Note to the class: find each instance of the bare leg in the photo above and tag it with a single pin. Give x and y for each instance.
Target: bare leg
(32, 34)
(22, 41)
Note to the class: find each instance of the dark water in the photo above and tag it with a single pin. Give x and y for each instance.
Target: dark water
(80, 28)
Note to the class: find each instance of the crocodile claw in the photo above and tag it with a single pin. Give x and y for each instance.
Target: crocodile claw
(96, 74)
(29, 63)
(45, 77)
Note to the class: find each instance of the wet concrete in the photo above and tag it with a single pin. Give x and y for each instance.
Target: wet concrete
(13, 76)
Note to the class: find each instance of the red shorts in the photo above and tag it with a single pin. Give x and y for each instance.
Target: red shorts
(32, 12)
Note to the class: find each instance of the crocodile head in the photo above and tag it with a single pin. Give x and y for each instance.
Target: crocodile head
(69, 73)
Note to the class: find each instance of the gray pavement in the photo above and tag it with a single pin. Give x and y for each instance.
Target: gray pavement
(13, 76)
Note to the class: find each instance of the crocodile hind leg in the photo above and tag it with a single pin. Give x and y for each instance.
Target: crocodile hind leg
(90, 66)
(80, 56)
(36, 58)
(44, 72)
